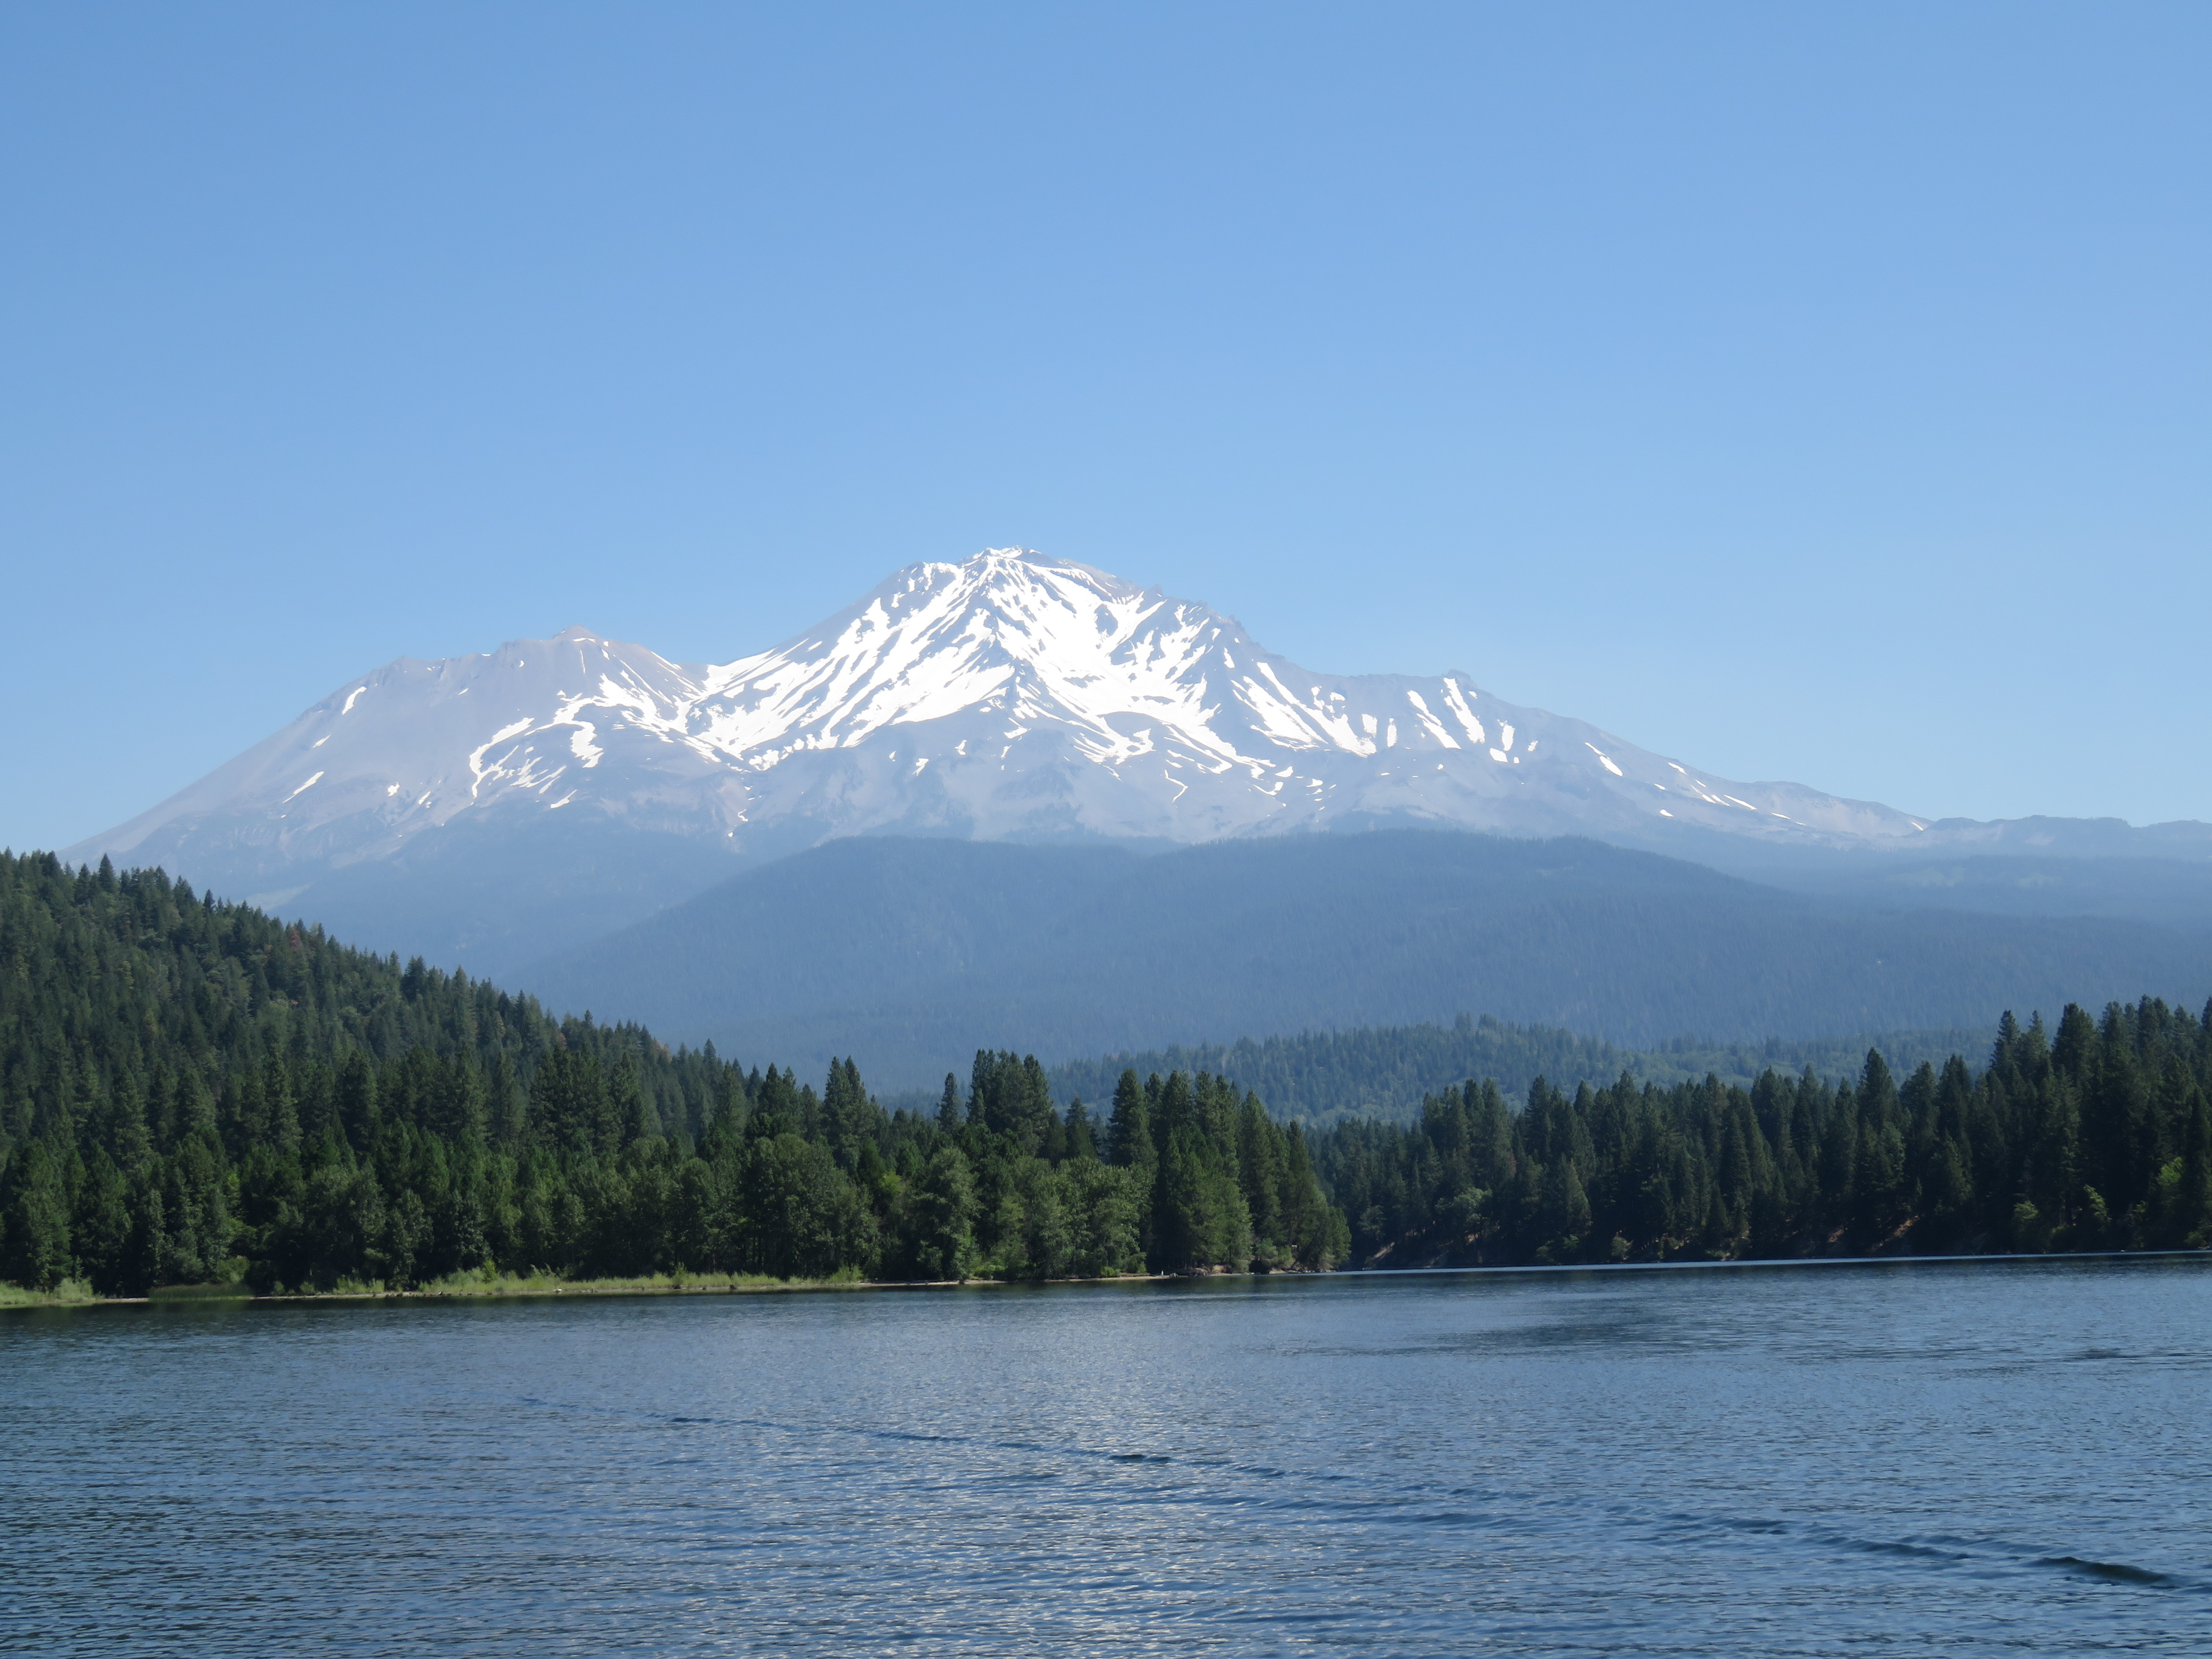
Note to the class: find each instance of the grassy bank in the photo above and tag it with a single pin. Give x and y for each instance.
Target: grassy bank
(70, 1293)
(487, 1285)
(479, 1286)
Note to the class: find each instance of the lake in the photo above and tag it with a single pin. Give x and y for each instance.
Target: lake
(1998, 1457)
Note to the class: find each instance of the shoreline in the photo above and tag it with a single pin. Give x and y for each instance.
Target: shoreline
(518, 1290)
(515, 1290)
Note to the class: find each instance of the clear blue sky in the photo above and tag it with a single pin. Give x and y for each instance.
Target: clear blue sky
(1817, 393)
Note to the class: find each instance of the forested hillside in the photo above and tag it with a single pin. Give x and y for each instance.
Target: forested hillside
(1387, 1072)
(919, 951)
(194, 1091)
(2092, 1137)
(191, 1090)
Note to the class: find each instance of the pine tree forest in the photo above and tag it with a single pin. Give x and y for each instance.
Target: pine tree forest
(193, 1092)
(2092, 1137)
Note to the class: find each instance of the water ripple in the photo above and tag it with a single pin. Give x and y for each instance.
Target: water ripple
(1969, 1461)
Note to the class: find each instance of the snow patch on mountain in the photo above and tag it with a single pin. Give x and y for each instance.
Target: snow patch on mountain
(1011, 695)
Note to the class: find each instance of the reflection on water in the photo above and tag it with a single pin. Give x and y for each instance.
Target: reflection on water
(2006, 1457)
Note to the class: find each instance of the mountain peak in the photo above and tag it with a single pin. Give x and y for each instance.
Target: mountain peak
(1011, 694)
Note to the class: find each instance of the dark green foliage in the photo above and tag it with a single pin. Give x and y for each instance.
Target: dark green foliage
(942, 1219)
(194, 1092)
(1385, 1072)
(2095, 1137)
(37, 1239)
(1011, 1098)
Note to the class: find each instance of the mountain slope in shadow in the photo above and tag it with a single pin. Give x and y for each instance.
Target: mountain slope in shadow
(910, 954)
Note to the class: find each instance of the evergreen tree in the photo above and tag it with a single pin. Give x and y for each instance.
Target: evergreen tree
(1134, 1147)
(35, 1231)
(356, 1100)
(1184, 1224)
(100, 1226)
(1081, 1140)
(125, 1132)
(945, 1205)
(2194, 1209)
(628, 1109)
(505, 1110)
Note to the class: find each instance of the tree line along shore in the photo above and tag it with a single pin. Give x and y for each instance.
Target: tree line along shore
(193, 1092)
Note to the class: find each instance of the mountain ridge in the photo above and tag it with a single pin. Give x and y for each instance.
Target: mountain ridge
(1384, 1073)
(1011, 696)
(909, 954)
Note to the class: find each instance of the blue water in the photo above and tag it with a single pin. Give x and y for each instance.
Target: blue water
(1974, 1458)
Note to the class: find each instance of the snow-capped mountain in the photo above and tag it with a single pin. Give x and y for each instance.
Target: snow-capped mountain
(1013, 695)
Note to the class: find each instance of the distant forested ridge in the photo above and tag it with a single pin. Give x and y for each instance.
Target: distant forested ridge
(192, 1091)
(916, 945)
(1388, 1072)
(2094, 1136)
